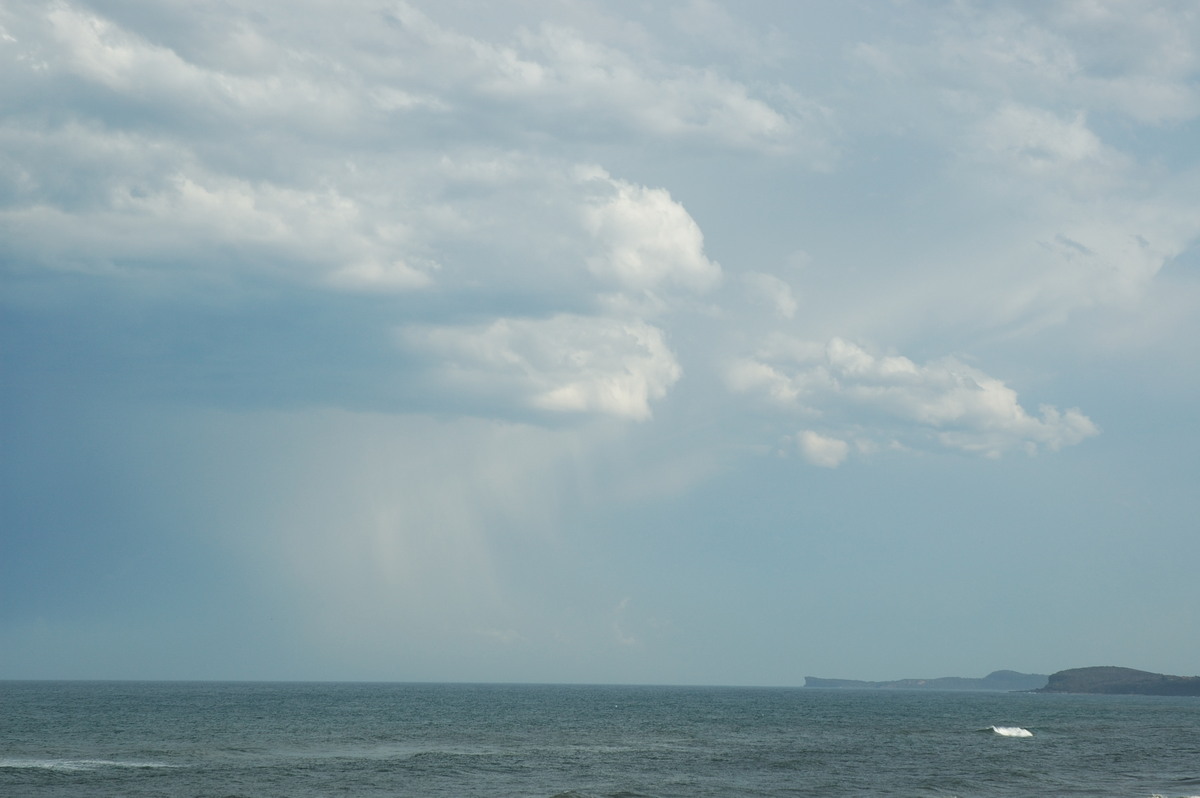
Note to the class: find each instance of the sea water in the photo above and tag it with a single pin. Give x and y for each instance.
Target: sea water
(221, 740)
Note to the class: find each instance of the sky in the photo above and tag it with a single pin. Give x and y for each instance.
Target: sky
(601, 341)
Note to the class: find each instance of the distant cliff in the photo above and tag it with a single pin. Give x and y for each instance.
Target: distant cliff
(1120, 681)
(998, 680)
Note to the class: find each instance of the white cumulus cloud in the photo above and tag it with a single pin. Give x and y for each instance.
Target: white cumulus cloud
(821, 450)
(565, 363)
(944, 403)
(648, 242)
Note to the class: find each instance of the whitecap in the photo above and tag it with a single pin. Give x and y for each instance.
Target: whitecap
(1012, 731)
(75, 764)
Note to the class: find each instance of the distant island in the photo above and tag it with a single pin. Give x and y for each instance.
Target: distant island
(1002, 681)
(1120, 681)
(1103, 680)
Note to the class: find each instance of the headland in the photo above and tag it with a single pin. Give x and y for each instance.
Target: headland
(1000, 681)
(1112, 680)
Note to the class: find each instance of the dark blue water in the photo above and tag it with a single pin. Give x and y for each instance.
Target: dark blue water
(221, 740)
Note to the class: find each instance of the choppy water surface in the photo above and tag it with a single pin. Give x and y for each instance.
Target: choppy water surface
(301, 740)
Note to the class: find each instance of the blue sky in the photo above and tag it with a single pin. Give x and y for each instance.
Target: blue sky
(674, 342)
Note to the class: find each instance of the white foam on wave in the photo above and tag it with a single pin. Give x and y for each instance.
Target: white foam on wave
(76, 764)
(1012, 731)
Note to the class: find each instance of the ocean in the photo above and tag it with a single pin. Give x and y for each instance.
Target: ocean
(254, 740)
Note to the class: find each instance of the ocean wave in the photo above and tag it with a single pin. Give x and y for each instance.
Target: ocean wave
(75, 764)
(1011, 731)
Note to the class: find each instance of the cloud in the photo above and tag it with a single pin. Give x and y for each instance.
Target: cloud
(1139, 60)
(95, 48)
(262, 198)
(1025, 133)
(649, 242)
(235, 79)
(943, 404)
(454, 169)
(125, 203)
(236, 146)
(555, 75)
(562, 364)
(821, 450)
(1036, 139)
(772, 292)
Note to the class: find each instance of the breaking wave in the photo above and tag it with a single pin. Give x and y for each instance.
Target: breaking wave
(1011, 731)
(74, 764)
